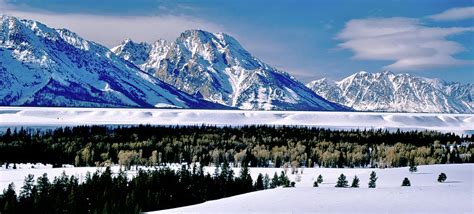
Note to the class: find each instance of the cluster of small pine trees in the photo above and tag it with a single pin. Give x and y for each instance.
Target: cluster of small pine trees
(342, 181)
(281, 180)
(318, 181)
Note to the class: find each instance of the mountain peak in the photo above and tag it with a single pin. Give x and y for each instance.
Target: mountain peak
(195, 32)
(361, 74)
(201, 35)
(219, 39)
(130, 43)
(42, 66)
(386, 91)
(323, 82)
(216, 67)
(132, 51)
(8, 19)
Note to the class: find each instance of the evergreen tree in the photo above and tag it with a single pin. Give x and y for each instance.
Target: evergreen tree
(259, 182)
(340, 161)
(27, 187)
(315, 184)
(406, 182)
(225, 171)
(43, 184)
(230, 175)
(9, 200)
(342, 181)
(44, 187)
(355, 182)
(442, 177)
(320, 179)
(283, 180)
(266, 181)
(413, 167)
(245, 179)
(275, 181)
(28, 193)
(372, 179)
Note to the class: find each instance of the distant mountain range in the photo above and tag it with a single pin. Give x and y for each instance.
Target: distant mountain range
(217, 68)
(42, 66)
(386, 91)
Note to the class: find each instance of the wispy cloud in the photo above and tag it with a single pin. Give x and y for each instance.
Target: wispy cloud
(407, 41)
(111, 30)
(459, 13)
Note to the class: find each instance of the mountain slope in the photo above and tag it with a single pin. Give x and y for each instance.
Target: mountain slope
(397, 93)
(217, 68)
(41, 66)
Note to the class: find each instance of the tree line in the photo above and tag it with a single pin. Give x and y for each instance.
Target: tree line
(259, 146)
(106, 192)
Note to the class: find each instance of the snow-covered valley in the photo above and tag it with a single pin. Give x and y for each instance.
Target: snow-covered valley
(425, 195)
(53, 117)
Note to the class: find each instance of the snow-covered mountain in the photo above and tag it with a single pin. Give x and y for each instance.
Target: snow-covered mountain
(216, 67)
(41, 66)
(386, 91)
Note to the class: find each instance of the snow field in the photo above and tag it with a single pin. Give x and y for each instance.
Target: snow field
(425, 195)
(47, 116)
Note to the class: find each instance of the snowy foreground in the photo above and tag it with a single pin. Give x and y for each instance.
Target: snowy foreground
(425, 195)
(44, 116)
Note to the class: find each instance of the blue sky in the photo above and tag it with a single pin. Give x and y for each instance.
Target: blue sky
(309, 39)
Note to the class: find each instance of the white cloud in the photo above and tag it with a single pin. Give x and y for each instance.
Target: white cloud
(111, 30)
(454, 14)
(406, 41)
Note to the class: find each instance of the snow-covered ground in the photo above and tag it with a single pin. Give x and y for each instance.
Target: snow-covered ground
(425, 195)
(46, 116)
